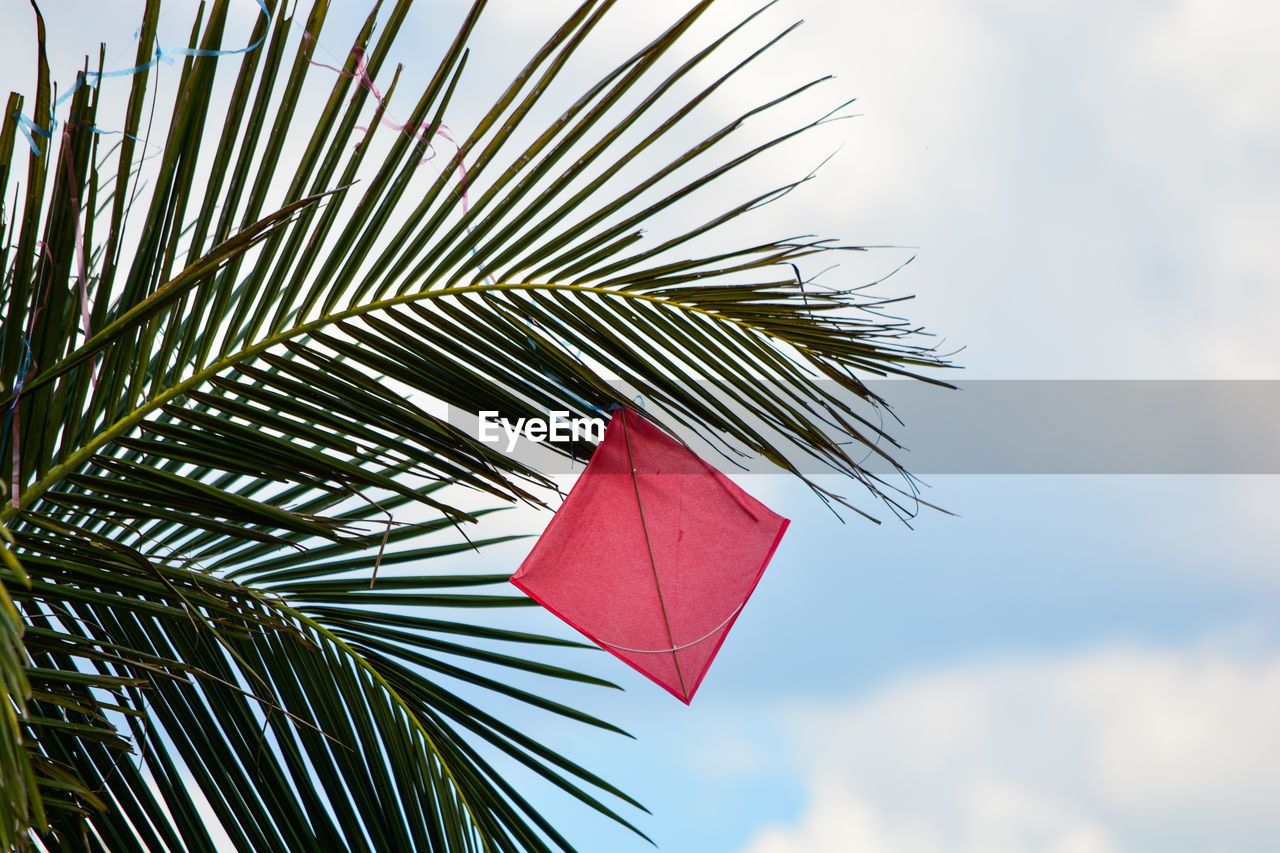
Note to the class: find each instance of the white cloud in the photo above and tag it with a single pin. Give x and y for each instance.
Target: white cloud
(1118, 751)
(1090, 189)
(1068, 174)
(1011, 820)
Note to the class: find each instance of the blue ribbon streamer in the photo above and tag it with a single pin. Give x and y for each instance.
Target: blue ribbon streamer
(533, 349)
(28, 127)
(19, 381)
(166, 55)
(607, 409)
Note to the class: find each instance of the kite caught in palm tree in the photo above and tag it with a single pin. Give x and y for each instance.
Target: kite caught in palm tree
(229, 321)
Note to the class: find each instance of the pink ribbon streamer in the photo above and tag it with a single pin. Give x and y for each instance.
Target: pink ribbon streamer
(418, 132)
(17, 462)
(82, 263)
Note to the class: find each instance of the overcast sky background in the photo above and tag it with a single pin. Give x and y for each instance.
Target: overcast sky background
(1084, 664)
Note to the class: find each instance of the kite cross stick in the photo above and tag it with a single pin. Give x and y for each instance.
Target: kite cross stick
(652, 555)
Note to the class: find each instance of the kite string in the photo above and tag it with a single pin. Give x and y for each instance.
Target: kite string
(648, 544)
(674, 649)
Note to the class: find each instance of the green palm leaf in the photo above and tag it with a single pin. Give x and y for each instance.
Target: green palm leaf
(218, 429)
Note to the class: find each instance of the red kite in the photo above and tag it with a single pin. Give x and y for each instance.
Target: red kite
(652, 555)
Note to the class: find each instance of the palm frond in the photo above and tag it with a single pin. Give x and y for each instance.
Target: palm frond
(220, 417)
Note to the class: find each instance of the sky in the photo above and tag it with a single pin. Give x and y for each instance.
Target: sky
(1068, 664)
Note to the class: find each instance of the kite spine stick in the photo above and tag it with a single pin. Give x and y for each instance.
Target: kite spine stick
(652, 564)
